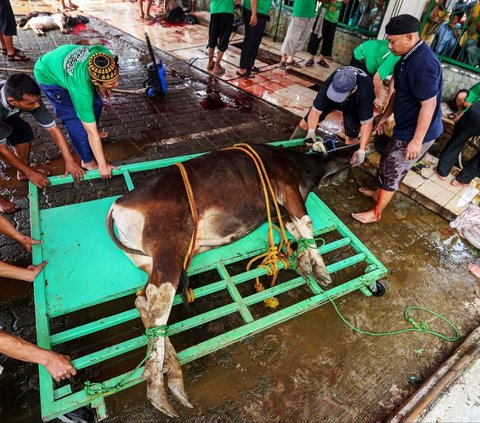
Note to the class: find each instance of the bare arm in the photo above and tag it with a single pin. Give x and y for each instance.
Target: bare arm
(313, 118)
(365, 132)
(253, 19)
(95, 142)
(61, 142)
(414, 146)
(19, 273)
(38, 178)
(57, 365)
(380, 128)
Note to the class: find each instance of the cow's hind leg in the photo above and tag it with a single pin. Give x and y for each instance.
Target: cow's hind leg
(154, 308)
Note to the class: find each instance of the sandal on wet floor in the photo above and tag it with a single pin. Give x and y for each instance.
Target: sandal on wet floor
(282, 65)
(323, 63)
(294, 64)
(245, 75)
(15, 50)
(17, 57)
(254, 70)
(309, 62)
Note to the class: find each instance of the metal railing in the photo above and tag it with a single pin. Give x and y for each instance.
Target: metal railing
(362, 16)
(453, 32)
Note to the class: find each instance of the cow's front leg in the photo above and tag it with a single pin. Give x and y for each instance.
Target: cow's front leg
(304, 228)
(154, 309)
(302, 262)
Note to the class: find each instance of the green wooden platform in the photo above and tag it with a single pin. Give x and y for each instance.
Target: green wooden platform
(86, 269)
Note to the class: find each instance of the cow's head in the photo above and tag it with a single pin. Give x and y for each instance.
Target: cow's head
(336, 158)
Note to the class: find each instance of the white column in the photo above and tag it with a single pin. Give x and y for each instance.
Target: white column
(400, 7)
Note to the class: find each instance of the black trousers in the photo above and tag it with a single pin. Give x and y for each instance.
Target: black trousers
(328, 35)
(468, 126)
(252, 40)
(314, 41)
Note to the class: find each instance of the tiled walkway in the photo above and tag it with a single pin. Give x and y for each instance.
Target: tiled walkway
(290, 90)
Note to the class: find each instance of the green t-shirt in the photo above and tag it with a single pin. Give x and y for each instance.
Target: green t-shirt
(263, 6)
(377, 57)
(473, 95)
(332, 12)
(67, 67)
(221, 6)
(304, 8)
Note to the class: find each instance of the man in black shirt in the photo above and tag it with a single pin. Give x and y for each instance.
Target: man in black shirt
(349, 90)
(20, 93)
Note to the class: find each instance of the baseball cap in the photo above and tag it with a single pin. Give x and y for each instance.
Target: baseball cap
(343, 82)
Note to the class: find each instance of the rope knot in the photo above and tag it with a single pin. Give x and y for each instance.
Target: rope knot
(156, 332)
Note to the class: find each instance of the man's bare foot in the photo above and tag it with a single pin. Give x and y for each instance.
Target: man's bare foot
(367, 217)
(26, 242)
(103, 135)
(91, 165)
(441, 177)
(22, 177)
(35, 269)
(7, 206)
(369, 192)
(455, 183)
(474, 269)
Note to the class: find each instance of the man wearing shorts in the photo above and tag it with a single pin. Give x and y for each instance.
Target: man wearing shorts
(8, 28)
(349, 90)
(416, 104)
(221, 22)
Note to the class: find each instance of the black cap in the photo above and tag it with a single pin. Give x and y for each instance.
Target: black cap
(402, 24)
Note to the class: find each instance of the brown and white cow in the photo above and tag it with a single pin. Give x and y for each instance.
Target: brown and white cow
(155, 225)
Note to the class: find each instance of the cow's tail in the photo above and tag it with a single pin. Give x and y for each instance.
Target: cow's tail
(114, 238)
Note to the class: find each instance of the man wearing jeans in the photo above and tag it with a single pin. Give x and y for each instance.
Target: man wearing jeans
(416, 104)
(73, 78)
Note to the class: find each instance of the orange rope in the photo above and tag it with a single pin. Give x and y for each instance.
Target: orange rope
(193, 209)
(273, 256)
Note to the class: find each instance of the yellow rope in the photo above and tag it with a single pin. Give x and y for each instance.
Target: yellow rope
(193, 209)
(273, 255)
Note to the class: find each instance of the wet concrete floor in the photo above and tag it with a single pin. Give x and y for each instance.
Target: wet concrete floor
(313, 368)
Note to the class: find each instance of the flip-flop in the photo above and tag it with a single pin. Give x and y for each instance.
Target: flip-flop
(323, 63)
(294, 64)
(245, 75)
(17, 57)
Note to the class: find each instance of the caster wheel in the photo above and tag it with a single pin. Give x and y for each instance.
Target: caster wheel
(377, 289)
(150, 92)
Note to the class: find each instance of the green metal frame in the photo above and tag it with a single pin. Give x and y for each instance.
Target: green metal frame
(86, 269)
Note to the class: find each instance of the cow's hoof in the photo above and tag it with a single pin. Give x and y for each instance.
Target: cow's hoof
(377, 289)
(157, 396)
(321, 275)
(304, 266)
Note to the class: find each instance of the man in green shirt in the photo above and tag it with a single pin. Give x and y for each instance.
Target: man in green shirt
(330, 21)
(73, 78)
(467, 125)
(299, 29)
(221, 23)
(255, 15)
(375, 58)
